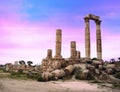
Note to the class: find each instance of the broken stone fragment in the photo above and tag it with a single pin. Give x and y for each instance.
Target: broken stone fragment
(69, 69)
(46, 76)
(58, 73)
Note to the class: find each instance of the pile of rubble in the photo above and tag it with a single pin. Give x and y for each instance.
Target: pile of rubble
(92, 69)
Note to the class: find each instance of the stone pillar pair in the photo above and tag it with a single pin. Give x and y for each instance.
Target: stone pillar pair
(74, 52)
(57, 47)
(98, 38)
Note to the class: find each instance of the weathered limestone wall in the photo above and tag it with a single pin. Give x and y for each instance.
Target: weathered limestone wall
(52, 64)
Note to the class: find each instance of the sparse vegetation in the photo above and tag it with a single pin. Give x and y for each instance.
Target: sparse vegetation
(18, 75)
(4, 75)
(95, 81)
(94, 58)
(117, 75)
(29, 63)
(40, 79)
(67, 77)
(90, 76)
(116, 85)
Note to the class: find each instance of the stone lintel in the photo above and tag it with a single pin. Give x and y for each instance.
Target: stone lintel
(93, 17)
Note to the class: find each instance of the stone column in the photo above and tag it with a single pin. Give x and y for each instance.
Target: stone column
(49, 54)
(16, 63)
(73, 49)
(98, 39)
(58, 43)
(87, 38)
(78, 55)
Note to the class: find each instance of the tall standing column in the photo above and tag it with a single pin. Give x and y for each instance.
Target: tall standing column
(73, 49)
(98, 39)
(58, 43)
(87, 38)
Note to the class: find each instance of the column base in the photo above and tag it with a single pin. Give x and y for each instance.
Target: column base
(58, 57)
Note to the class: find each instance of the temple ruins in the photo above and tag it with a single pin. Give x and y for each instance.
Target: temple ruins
(55, 67)
(51, 63)
(75, 66)
(57, 62)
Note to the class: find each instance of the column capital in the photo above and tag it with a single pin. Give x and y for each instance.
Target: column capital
(86, 19)
(98, 22)
(73, 43)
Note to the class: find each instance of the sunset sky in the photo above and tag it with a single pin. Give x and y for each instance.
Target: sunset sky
(28, 27)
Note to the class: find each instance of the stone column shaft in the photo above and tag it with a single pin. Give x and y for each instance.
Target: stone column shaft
(73, 49)
(58, 43)
(78, 55)
(87, 38)
(98, 39)
(49, 54)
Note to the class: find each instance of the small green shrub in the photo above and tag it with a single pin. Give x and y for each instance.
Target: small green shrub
(90, 76)
(13, 73)
(20, 71)
(117, 75)
(95, 81)
(40, 79)
(37, 76)
(94, 58)
(3, 70)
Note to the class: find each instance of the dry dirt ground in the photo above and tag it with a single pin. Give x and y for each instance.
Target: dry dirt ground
(15, 85)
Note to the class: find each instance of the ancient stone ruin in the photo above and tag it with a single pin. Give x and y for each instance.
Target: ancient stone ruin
(53, 68)
(57, 62)
(82, 67)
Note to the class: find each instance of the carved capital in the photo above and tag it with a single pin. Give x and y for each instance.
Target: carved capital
(98, 22)
(86, 19)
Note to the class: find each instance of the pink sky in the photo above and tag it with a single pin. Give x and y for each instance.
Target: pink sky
(26, 38)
